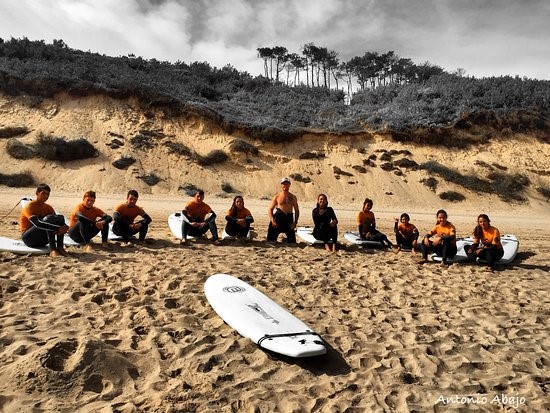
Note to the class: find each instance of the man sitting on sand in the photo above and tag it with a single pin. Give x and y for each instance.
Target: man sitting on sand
(124, 224)
(283, 220)
(40, 225)
(198, 218)
(87, 221)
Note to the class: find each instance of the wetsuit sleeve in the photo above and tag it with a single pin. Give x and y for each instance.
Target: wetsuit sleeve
(147, 218)
(249, 219)
(106, 218)
(82, 218)
(45, 226)
(212, 217)
(116, 215)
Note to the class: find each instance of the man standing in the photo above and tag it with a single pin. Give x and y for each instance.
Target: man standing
(283, 214)
(124, 224)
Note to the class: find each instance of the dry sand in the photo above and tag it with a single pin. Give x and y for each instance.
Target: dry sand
(129, 329)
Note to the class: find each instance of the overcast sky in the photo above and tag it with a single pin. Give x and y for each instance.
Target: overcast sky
(484, 37)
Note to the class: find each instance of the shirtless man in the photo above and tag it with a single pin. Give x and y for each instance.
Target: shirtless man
(283, 219)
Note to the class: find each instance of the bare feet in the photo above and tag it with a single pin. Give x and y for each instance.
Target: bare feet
(63, 252)
(88, 248)
(183, 242)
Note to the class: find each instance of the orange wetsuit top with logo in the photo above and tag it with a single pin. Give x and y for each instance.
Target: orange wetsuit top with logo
(91, 213)
(33, 208)
(444, 230)
(367, 221)
(196, 211)
(489, 237)
(128, 214)
(241, 214)
(408, 230)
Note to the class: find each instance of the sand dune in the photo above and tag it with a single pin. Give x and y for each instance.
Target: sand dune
(128, 329)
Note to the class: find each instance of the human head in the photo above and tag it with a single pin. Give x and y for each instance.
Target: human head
(238, 202)
(42, 192)
(132, 197)
(441, 216)
(367, 202)
(321, 197)
(89, 198)
(285, 180)
(199, 195)
(43, 188)
(404, 217)
(285, 184)
(89, 194)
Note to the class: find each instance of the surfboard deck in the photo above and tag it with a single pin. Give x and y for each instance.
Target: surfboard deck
(259, 318)
(306, 234)
(354, 238)
(510, 243)
(17, 246)
(174, 223)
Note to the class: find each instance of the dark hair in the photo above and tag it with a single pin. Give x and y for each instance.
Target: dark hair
(478, 231)
(441, 211)
(132, 192)
(42, 188)
(326, 197)
(90, 194)
(233, 209)
(199, 191)
(404, 215)
(367, 201)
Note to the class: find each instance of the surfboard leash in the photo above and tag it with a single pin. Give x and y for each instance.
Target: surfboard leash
(15, 206)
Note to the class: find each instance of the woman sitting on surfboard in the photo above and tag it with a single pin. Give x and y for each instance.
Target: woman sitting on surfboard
(87, 221)
(325, 223)
(441, 239)
(40, 225)
(238, 219)
(366, 222)
(198, 218)
(487, 245)
(406, 234)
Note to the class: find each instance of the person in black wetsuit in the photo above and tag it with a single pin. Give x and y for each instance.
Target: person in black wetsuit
(325, 223)
(87, 221)
(283, 214)
(41, 226)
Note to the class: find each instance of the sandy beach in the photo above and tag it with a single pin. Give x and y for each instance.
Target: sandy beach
(128, 329)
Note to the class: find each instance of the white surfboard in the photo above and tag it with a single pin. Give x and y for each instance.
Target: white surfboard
(257, 317)
(17, 246)
(354, 238)
(306, 234)
(226, 236)
(510, 244)
(174, 222)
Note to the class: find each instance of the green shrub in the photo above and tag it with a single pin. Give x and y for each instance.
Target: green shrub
(360, 169)
(188, 188)
(11, 131)
(300, 178)
(19, 150)
(226, 187)
(124, 162)
(430, 182)
(545, 192)
(178, 149)
(59, 149)
(215, 157)
(240, 145)
(19, 180)
(150, 179)
(452, 196)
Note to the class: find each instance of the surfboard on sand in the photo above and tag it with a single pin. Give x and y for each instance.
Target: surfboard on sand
(306, 234)
(174, 223)
(354, 238)
(510, 243)
(262, 320)
(17, 246)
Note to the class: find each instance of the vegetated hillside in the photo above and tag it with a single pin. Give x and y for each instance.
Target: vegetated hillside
(166, 128)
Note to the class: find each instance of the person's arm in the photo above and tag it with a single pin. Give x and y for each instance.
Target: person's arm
(296, 212)
(146, 218)
(270, 211)
(45, 226)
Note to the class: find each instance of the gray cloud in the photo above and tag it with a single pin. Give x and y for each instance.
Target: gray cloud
(485, 37)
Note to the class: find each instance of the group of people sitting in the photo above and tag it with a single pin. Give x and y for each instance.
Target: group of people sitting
(41, 225)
